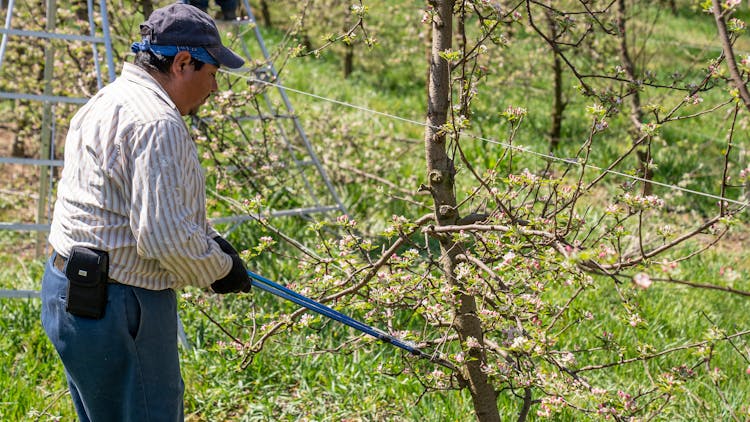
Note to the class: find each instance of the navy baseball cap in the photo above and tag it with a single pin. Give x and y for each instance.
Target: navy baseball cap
(183, 25)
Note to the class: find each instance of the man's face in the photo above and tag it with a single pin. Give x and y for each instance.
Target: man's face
(198, 85)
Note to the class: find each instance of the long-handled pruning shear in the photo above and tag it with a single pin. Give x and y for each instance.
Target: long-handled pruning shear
(290, 295)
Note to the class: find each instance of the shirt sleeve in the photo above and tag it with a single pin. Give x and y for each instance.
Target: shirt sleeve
(211, 232)
(168, 215)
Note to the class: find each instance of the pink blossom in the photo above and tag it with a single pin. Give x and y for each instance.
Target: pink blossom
(427, 15)
(544, 411)
(305, 319)
(472, 343)
(729, 273)
(694, 99)
(667, 266)
(731, 3)
(634, 320)
(568, 358)
(601, 126)
(642, 280)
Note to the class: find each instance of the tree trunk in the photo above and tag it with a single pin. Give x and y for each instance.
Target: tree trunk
(440, 173)
(266, 13)
(672, 6)
(636, 114)
(18, 148)
(348, 49)
(82, 11)
(558, 104)
(348, 60)
(146, 7)
(726, 45)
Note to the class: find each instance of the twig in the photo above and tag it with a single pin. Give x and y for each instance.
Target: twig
(474, 260)
(703, 286)
(380, 262)
(657, 354)
(662, 248)
(486, 228)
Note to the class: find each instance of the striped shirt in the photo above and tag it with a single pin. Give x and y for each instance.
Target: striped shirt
(132, 185)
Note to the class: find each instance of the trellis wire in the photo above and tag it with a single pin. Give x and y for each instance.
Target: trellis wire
(494, 141)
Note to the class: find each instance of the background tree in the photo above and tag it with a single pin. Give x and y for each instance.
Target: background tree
(634, 96)
(532, 239)
(558, 103)
(441, 172)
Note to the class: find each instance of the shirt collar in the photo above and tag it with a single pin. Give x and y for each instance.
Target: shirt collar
(135, 74)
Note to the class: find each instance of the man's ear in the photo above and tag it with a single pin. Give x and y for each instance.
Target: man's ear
(181, 60)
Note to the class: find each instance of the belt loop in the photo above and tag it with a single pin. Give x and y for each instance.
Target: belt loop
(59, 262)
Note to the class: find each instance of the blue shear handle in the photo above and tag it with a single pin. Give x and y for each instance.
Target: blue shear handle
(276, 289)
(292, 296)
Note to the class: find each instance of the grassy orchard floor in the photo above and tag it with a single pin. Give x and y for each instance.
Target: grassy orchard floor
(282, 383)
(285, 382)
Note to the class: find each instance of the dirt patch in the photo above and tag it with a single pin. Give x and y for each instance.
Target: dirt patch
(6, 141)
(19, 185)
(19, 193)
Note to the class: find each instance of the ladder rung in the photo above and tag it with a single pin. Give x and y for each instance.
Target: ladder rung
(39, 97)
(25, 227)
(41, 34)
(31, 161)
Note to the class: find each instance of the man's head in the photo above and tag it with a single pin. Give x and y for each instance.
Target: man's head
(177, 41)
(187, 28)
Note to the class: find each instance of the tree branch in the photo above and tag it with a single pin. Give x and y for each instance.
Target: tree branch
(726, 45)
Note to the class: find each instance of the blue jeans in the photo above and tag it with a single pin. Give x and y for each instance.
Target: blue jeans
(125, 366)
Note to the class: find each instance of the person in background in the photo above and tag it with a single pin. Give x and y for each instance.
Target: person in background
(129, 225)
(228, 7)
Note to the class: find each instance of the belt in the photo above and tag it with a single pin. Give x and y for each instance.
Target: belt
(60, 261)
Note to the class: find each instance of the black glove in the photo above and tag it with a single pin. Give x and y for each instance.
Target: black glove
(237, 280)
(225, 246)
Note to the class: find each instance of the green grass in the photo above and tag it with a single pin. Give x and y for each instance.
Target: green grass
(676, 316)
(287, 381)
(32, 381)
(283, 382)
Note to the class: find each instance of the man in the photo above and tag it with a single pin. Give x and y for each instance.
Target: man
(130, 226)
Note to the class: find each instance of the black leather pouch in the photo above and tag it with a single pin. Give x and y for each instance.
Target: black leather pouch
(87, 272)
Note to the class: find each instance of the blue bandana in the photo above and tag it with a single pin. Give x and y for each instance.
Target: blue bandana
(198, 53)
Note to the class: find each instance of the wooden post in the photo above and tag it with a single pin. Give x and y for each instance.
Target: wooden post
(46, 129)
